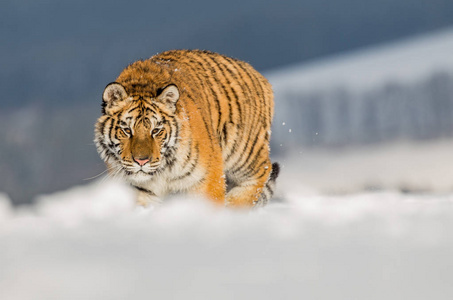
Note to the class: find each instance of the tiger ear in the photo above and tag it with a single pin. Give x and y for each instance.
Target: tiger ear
(112, 98)
(169, 96)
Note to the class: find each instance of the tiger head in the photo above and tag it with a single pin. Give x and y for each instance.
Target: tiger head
(137, 135)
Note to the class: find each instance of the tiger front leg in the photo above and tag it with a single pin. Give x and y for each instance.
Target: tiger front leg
(147, 199)
(213, 186)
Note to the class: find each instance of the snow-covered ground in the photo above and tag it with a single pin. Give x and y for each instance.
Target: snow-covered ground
(407, 166)
(91, 243)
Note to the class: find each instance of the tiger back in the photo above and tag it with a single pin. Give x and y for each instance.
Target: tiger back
(190, 121)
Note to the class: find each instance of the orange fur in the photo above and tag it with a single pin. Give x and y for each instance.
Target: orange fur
(213, 114)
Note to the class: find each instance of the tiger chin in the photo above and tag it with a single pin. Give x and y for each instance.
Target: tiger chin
(190, 121)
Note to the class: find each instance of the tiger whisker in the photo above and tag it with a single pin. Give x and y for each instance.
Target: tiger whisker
(96, 176)
(113, 173)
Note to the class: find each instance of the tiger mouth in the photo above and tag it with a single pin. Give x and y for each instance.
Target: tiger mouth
(140, 172)
(150, 173)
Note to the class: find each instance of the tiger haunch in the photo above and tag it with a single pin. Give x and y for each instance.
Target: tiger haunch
(190, 121)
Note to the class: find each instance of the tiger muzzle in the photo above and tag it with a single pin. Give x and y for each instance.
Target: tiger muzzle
(142, 150)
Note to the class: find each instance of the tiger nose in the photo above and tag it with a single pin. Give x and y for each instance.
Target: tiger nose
(141, 160)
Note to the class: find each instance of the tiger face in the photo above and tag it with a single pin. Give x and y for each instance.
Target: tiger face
(136, 135)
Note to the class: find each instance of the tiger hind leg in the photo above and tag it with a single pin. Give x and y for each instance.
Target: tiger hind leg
(269, 187)
(249, 192)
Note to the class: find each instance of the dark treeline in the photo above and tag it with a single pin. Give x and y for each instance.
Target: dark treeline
(62, 52)
(393, 111)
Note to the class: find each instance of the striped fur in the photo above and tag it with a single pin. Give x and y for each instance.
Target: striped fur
(200, 118)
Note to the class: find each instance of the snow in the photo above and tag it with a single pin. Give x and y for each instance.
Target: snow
(92, 243)
(408, 166)
(403, 61)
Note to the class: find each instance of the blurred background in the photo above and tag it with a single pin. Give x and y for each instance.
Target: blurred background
(364, 89)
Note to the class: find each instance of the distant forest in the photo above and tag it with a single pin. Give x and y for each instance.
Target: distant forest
(392, 111)
(61, 52)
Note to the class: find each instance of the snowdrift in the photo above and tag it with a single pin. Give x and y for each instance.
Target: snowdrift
(91, 243)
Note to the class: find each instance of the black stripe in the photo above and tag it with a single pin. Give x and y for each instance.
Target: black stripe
(275, 171)
(224, 135)
(186, 162)
(193, 166)
(249, 117)
(237, 65)
(248, 157)
(207, 60)
(221, 67)
(236, 97)
(256, 113)
(133, 109)
(154, 107)
(252, 172)
(144, 190)
(169, 157)
(100, 126)
(110, 129)
(233, 149)
(203, 117)
(191, 64)
(225, 70)
(149, 110)
(210, 85)
(260, 93)
(240, 115)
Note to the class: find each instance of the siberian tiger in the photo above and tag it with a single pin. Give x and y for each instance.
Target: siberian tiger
(190, 121)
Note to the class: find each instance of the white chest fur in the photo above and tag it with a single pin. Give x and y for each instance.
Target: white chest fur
(171, 180)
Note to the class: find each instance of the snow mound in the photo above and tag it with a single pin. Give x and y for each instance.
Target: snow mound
(92, 243)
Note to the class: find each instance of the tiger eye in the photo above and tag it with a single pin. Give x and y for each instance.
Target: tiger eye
(127, 131)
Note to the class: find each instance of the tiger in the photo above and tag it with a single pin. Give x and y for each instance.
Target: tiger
(190, 121)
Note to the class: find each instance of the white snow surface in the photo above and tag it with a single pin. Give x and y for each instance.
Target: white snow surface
(92, 243)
